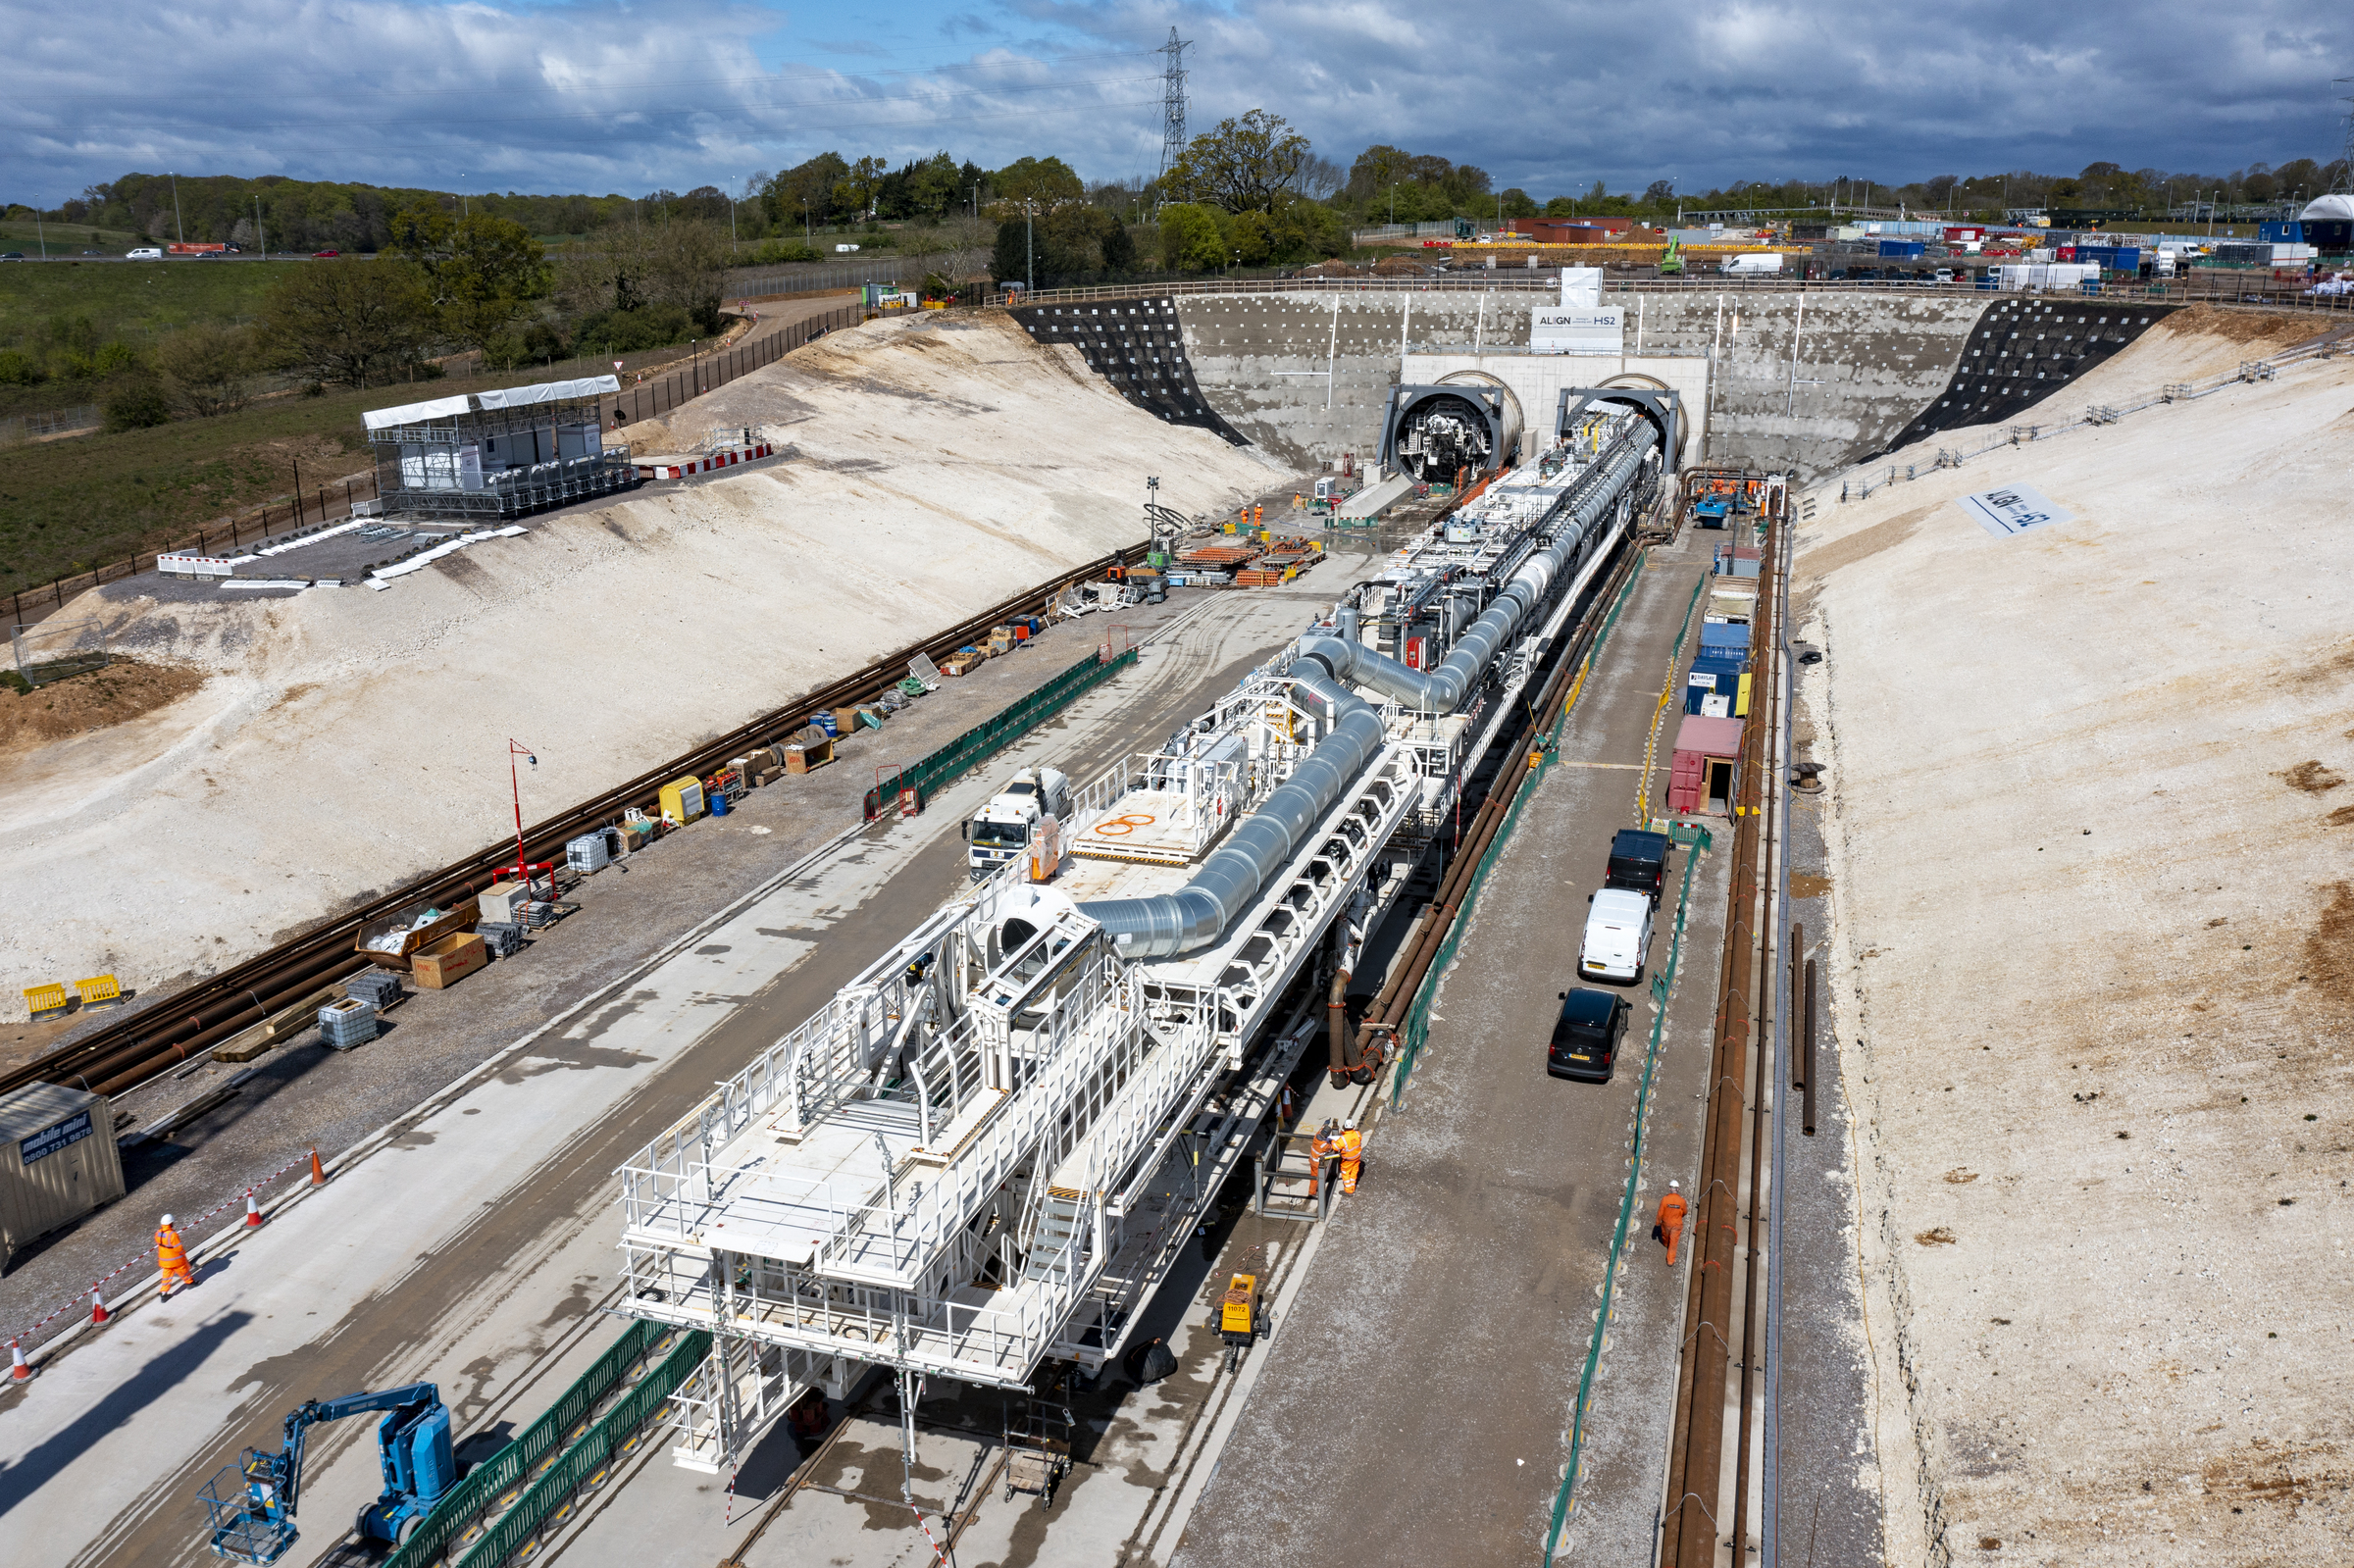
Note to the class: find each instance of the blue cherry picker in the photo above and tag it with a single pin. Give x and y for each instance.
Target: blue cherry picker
(250, 1505)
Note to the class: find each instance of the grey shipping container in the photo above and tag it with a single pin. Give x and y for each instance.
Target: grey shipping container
(58, 1161)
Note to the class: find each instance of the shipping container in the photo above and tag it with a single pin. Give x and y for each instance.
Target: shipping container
(1900, 247)
(1703, 767)
(58, 1161)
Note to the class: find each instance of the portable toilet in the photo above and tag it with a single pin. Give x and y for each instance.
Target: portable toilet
(1704, 768)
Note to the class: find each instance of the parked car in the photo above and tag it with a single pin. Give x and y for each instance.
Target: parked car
(11, 255)
(1585, 1036)
(1638, 862)
(145, 253)
(324, 254)
(1617, 936)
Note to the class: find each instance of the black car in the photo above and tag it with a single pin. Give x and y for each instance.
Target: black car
(13, 255)
(1585, 1038)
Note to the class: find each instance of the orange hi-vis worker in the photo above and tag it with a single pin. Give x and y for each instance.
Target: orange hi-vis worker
(1352, 1155)
(172, 1257)
(1323, 1146)
(1259, 516)
(1670, 1228)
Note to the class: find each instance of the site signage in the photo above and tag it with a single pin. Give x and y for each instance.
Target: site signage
(49, 1140)
(1577, 330)
(2012, 509)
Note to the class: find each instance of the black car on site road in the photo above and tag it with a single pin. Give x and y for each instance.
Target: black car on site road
(1586, 1035)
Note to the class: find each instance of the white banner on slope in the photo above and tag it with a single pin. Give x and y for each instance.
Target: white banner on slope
(2012, 509)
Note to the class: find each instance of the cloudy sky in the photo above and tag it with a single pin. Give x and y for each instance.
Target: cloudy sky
(1547, 94)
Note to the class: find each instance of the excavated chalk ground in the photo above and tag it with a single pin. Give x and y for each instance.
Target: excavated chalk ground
(2092, 971)
(351, 739)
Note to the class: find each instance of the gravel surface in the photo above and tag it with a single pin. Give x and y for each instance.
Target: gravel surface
(305, 1094)
(351, 739)
(2090, 962)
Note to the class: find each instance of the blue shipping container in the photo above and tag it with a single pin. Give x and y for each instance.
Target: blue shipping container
(1900, 247)
(2291, 232)
(1721, 638)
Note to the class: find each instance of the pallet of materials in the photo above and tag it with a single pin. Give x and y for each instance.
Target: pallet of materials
(1260, 578)
(1227, 556)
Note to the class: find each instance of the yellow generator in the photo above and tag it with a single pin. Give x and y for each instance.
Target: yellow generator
(1241, 1317)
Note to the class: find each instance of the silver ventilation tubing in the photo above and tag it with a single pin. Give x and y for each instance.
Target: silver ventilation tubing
(1191, 917)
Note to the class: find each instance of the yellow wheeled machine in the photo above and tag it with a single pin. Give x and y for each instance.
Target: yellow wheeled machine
(1241, 1317)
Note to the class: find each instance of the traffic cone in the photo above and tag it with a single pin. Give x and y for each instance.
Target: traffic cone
(253, 1212)
(18, 1370)
(98, 1311)
(318, 1176)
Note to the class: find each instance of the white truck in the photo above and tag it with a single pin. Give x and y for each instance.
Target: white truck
(1024, 821)
(1751, 265)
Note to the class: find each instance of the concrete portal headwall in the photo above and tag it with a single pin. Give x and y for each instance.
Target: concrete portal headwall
(1779, 379)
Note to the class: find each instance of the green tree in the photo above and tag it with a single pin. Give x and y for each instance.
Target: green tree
(351, 322)
(1517, 203)
(207, 367)
(1040, 180)
(1010, 259)
(677, 267)
(802, 196)
(480, 270)
(1246, 165)
(1191, 240)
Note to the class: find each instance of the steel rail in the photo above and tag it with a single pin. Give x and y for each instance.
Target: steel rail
(1696, 1456)
(129, 1050)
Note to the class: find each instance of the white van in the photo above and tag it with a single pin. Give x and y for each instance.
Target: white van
(144, 253)
(1752, 265)
(1617, 936)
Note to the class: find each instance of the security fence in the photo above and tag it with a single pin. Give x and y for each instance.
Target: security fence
(986, 739)
(1416, 1032)
(505, 1501)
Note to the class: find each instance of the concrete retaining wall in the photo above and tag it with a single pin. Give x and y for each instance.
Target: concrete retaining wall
(1810, 383)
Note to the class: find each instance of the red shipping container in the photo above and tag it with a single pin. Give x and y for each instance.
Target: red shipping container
(1705, 765)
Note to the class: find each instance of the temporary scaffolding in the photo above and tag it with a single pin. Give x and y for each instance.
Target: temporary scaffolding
(987, 1150)
(496, 454)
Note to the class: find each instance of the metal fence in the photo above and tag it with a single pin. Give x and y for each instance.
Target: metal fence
(1860, 482)
(880, 267)
(985, 740)
(1416, 1032)
(532, 1475)
(652, 395)
(57, 422)
(1665, 982)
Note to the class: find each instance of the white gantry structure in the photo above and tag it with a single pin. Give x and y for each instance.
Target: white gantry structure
(985, 1151)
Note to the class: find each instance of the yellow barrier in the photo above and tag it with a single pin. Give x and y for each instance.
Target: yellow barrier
(46, 1001)
(100, 990)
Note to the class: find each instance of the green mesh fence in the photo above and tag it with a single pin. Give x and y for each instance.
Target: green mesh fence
(540, 1448)
(1418, 1017)
(586, 1464)
(987, 739)
(1698, 844)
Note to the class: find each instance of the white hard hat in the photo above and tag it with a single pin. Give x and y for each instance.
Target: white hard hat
(1673, 1186)
(167, 1222)
(1350, 1124)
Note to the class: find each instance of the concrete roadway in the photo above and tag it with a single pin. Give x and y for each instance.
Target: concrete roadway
(1418, 1402)
(472, 1246)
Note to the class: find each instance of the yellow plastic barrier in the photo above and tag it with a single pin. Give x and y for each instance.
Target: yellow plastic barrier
(100, 990)
(46, 1001)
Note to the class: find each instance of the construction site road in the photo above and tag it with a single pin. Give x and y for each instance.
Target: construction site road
(474, 1246)
(1418, 1396)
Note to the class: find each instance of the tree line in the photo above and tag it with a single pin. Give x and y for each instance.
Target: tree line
(440, 285)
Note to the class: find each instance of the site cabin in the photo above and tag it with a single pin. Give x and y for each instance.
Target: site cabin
(1703, 771)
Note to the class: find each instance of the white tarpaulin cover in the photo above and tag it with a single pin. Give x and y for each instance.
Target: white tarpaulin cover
(547, 392)
(441, 408)
(2012, 509)
(501, 397)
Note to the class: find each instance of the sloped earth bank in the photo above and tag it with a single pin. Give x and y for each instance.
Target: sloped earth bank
(347, 740)
(2092, 975)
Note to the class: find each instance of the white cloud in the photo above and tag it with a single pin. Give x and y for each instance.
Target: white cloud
(1550, 95)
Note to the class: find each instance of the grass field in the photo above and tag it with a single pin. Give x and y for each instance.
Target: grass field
(68, 505)
(137, 302)
(65, 239)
